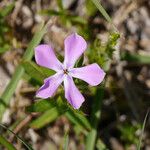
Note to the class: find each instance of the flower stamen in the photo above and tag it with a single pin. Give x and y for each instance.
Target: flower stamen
(65, 71)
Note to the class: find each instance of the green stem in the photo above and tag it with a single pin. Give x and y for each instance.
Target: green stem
(95, 116)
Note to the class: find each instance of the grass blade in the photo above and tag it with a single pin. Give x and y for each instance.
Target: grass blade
(41, 106)
(33, 71)
(75, 117)
(7, 94)
(95, 116)
(143, 127)
(36, 72)
(78, 119)
(66, 142)
(46, 118)
(136, 58)
(6, 143)
(20, 139)
(102, 10)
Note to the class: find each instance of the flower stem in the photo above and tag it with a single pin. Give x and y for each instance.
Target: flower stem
(95, 116)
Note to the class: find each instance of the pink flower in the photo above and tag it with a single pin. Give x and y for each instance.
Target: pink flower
(75, 45)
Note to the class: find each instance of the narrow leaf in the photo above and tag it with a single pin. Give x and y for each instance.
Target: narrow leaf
(78, 119)
(19, 138)
(143, 127)
(80, 62)
(36, 72)
(75, 117)
(95, 116)
(66, 142)
(46, 118)
(41, 106)
(136, 58)
(60, 5)
(33, 71)
(6, 143)
(7, 94)
(102, 10)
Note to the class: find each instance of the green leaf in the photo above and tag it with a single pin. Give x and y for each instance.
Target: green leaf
(102, 10)
(41, 106)
(143, 127)
(113, 38)
(11, 87)
(79, 62)
(66, 141)
(102, 52)
(52, 13)
(46, 106)
(5, 38)
(112, 41)
(4, 48)
(65, 16)
(46, 118)
(33, 71)
(95, 116)
(90, 7)
(100, 145)
(6, 143)
(5, 11)
(135, 58)
(76, 19)
(36, 72)
(51, 113)
(47, 72)
(34, 42)
(60, 5)
(78, 119)
(18, 137)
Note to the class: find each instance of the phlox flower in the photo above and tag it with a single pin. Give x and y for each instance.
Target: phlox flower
(74, 46)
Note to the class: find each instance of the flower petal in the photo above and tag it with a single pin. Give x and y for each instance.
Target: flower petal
(92, 74)
(50, 86)
(72, 94)
(75, 45)
(45, 56)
